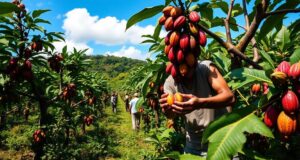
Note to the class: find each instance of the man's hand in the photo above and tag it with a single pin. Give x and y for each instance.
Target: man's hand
(189, 104)
(166, 108)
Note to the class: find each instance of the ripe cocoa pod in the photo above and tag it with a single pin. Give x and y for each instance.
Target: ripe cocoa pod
(167, 38)
(294, 71)
(170, 99)
(202, 38)
(286, 124)
(270, 117)
(169, 68)
(265, 88)
(178, 97)
(255, 88)
(169, 24)
(167, 10)
(162, 20)
(170, 123)
(175, 12)
(290, 102)
(193, 42)
(194, 17)
(194, 29)
(284, 67)
(13, 62)
(21, 6)
(171, 55)
(184, 41)
(27, 64)
(190, 59)
(179, 22)
(174, 72)
(167, 49)
(180, 56)
(174, 38)
(279, 78)
(183, 69)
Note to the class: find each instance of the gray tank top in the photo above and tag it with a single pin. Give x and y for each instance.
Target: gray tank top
(197, 120)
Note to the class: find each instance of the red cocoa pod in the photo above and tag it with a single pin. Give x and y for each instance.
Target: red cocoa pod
(180, 56)
(184, 41)
(270, 117)
(171, 55)
(162, 20)
(290, 102)
(265, 88)
(27, 64)
(286, 124)
(167, 38)
(193, 42)
(202, 38)
(194, 17)
(175, 12)
(169, 24)
(179, 22)
(294, 71)
(14, 73)
(284, 67)
(167, 49)
(59, 57)
(190, 59)
(169, 68)
(174, 72)
(13, 62)
(194, 29)
(255, 88)
(174, 38)
(21, 6)
(167, 11)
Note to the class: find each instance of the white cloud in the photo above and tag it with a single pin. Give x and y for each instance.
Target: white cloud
(82, 27)
(59, 16)
(129, 52)
(79, 46)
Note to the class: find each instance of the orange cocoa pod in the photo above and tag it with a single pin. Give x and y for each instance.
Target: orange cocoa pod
(170, 99)
(286, 124)
(174, 38)
(167, 10)
(162, 20)
(178, 97)
(169, 24)
(175, 12)
(190, 59)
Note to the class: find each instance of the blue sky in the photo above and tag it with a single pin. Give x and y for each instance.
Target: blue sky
(100, 25)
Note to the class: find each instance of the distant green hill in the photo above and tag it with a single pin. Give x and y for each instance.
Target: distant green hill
(115, 69)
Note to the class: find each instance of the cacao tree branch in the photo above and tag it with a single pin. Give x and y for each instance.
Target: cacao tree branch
(226, 22)
(297, 10)
(256, 56)
(230, 47)
(181, 5)
(80, 102)
(259, 16)
(238, 26)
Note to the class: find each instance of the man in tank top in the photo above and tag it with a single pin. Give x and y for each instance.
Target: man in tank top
(206, 95)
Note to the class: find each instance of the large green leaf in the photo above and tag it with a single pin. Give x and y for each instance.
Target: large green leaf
(267, 57)
(6, 7)
(144, 14)
(226, 135)
(190, 157)
(295, 56)
(283, 38)
(244, 73)
(37, 13)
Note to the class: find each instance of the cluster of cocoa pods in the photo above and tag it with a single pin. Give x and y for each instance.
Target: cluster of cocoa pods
(55, 62)
(21, 6)
(256, 88)
(88, 120)
(69, 91)
(91, 99)
(182, 43)
(39, 136)
(17, 71)
(286, 117)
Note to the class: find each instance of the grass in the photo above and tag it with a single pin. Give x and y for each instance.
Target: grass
(128, 144)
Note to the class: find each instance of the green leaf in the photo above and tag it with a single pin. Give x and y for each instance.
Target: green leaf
(190, 157)
(267, 57)
(295, 57)
(237, 10)
(222, 5)
(6, 7)
(144, 14)
(157, 31)
(244, 73)
(37, 13)
(283, 38)
(39, 20)
(205, 10)
(226, 135)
